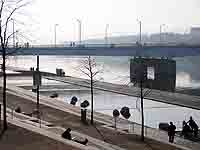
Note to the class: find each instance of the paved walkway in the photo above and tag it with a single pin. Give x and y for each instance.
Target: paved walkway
(17, 138)
(55, 132)
(104, 120)
(18, 122)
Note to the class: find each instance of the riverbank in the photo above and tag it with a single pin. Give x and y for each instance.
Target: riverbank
(66, 119)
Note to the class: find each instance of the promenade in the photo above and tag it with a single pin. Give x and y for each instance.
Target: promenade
(63, 115)
(19, 138)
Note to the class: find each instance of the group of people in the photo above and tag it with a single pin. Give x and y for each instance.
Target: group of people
(188, 128)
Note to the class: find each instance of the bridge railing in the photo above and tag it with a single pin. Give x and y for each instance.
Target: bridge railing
(110, 45)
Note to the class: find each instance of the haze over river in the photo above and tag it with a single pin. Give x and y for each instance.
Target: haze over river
(116, 70)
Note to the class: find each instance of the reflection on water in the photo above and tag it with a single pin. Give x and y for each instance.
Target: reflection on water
(155, 112)
(115, 69)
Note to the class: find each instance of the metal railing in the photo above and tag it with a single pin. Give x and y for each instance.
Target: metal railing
(103, 45)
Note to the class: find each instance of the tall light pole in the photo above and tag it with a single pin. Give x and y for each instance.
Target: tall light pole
(140, 23)
(13, 32)
(106, 34)
(161, 32)
(80, 24)
(55, 34)
(38, 86)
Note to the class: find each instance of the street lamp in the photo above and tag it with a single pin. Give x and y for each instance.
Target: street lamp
(55, 34)
(141, 87)
(80, 24)
(140, 23)
(13, 32)
(106, 34)
(161, 32)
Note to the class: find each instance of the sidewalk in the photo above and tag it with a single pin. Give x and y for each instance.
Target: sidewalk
(54, 132)
(65, 115)
(17, 138)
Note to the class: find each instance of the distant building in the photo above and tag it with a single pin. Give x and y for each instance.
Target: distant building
(155, 73)
(195, 31)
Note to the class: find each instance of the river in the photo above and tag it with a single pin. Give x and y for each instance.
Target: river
(116, 70)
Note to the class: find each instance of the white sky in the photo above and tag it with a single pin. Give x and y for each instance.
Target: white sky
(121, 15)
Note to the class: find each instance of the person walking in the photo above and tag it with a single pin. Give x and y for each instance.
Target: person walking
(186, 130)
(171, 132)
(193, 126)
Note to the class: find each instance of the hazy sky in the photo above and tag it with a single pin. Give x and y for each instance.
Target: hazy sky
(121, 15)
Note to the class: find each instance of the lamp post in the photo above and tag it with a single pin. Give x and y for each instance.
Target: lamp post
(80, 24)
(140, 23)
(161, 32)
(55, 34)
(106, 34)
(13, 32)
(38, 86)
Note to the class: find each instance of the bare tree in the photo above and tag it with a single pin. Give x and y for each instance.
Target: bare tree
(90, 69)
(7, 10)
(140, 78)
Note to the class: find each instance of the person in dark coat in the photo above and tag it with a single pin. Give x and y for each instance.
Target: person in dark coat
(171, 132)
(186, 130)
(193, 126)
(67, 135)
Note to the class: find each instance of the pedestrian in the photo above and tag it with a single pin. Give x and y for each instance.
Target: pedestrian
(193, 126)
(186, 130)
(67, 135)
(171, 132)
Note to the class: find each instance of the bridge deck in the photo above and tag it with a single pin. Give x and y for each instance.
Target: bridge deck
(155, 95)
(150, 51)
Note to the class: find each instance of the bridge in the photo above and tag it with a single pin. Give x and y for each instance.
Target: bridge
(146, 50)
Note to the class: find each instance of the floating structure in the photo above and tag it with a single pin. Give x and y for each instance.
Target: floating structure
(154, 73)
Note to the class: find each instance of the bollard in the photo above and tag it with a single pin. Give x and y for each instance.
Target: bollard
(12, 113)
(115, 119)
(83, 115)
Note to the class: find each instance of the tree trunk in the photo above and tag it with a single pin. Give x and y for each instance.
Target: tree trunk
(142, 111)
(4, 89)
(91, 100)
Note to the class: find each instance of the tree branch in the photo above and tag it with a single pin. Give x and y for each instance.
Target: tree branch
(85, 73)
(95, 73)
(1, 10)
(9, 37)
(9, 17)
